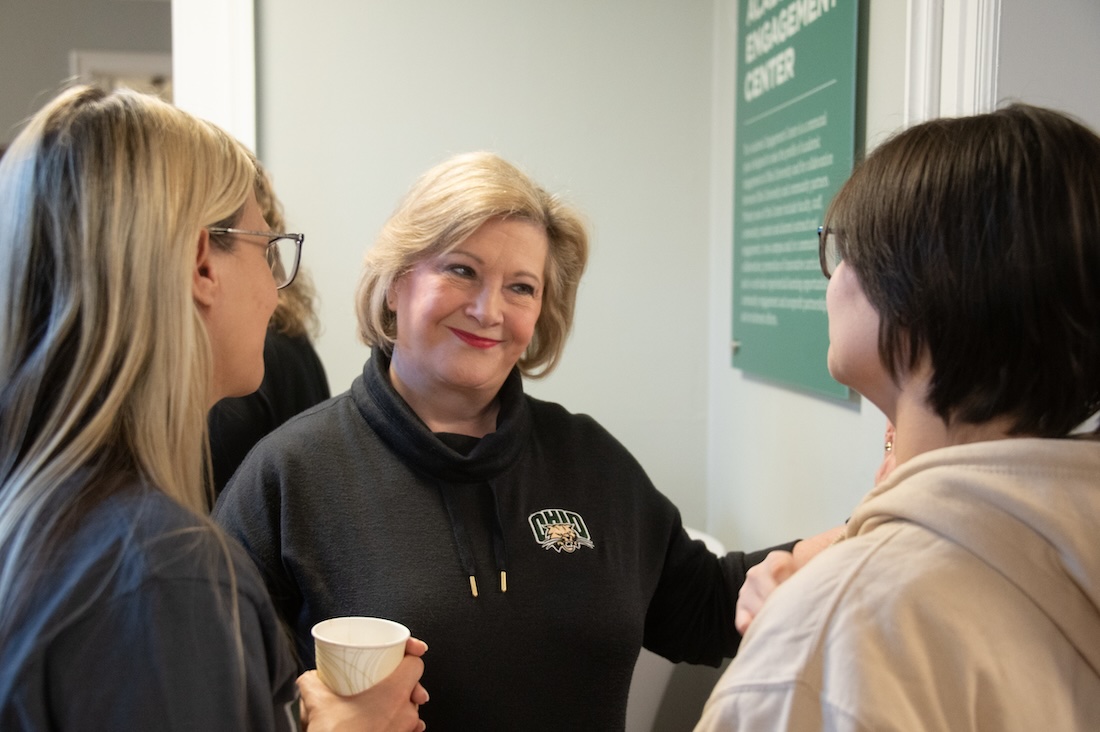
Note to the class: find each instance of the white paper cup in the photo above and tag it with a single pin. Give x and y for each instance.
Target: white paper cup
(355, 653)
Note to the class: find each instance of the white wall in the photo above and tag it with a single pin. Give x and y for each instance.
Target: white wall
(626, 105)
(781, 464)
(606, 101)
(214, 63)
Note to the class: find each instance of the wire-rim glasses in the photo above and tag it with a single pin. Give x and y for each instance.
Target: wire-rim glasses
(828, 251)
(283, 256)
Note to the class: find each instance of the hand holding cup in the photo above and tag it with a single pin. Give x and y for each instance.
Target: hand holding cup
(354, 653)
(389, 700)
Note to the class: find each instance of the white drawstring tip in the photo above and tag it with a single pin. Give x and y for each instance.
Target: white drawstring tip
(473, 586)
(503, 581)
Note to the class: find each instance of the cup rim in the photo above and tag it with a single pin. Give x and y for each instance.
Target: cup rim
(318, 631)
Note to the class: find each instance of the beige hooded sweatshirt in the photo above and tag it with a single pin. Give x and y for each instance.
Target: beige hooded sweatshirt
(965, 596)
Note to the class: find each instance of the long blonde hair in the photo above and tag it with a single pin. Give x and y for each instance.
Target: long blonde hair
(105, 365)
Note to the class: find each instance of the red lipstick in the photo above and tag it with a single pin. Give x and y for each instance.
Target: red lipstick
(472, 340)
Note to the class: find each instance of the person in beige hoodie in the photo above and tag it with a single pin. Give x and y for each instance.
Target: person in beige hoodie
(964, 266)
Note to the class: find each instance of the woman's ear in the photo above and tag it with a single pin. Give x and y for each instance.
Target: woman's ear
(204, 282)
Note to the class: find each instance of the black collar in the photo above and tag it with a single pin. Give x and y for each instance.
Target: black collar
(411, 440)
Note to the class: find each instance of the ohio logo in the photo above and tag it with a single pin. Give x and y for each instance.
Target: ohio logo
(560, 530)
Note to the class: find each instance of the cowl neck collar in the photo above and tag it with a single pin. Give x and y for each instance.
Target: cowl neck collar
(409, 437)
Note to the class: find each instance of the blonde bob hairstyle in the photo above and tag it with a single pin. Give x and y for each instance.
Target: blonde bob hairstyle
(105, 364)
(444, 207)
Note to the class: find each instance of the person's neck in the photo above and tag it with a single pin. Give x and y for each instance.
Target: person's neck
(919, 429)
(471, 412)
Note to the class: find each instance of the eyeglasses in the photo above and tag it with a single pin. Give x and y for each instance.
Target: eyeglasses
(284, 252)
(828, 251)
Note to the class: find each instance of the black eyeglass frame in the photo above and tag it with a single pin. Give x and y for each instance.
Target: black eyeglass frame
(272, 237)
(828, 251)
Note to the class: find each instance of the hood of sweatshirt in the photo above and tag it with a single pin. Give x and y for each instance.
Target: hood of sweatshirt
(1029, 508)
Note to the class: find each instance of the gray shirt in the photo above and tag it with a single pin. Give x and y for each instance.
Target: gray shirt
(132, 626)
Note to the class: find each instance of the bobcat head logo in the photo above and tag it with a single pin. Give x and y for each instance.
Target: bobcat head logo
(560, 530)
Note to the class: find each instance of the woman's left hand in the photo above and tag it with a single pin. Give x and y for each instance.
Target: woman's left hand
(760, 581)
(777, 567)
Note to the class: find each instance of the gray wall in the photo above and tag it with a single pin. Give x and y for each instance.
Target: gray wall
(36, 37)
(1049, 54)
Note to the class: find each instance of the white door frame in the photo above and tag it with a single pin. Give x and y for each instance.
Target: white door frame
(214, 63)
(951, 58)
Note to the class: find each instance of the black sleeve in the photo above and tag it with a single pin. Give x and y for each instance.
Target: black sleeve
(294, 380)
(691, 615)
(236, 425)
(250, 511)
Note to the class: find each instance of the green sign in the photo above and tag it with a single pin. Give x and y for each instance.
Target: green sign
(795, 146)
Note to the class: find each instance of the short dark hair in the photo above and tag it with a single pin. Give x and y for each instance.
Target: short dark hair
(977, 240)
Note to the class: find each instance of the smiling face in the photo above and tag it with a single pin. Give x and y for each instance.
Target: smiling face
(465, 317)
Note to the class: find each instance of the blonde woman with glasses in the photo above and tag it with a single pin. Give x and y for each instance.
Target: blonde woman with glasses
(294, 377)
(137, 277)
